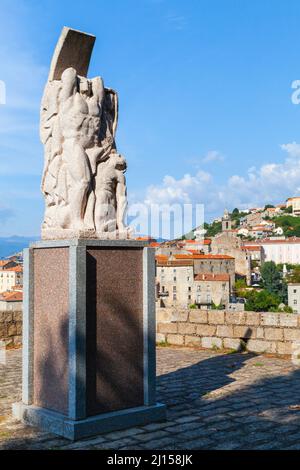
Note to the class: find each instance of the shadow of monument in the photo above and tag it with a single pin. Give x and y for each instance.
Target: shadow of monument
(254, 409)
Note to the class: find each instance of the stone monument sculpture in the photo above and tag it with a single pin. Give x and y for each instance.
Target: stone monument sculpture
(78, 126)
(89, 287)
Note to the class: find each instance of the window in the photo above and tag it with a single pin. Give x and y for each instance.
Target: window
(295, 291)
(174, 278)
(295, 302)
(174, 288)
(174, 297)
(188, 278)
(198, 288)
(189, 289)
(190, 297)
(174, 270)
(163, 288)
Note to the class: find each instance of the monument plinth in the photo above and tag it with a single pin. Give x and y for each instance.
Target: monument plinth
(89, 290)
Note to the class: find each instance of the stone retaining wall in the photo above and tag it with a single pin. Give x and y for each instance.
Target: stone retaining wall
(275, 333)
(11, 328)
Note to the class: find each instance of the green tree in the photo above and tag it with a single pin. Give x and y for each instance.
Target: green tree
(268, 206)
(294, 277)
(262, 301)
(240, 287)
(289, 224)
(212, 229)
(272, 282)
(288, 210)
(271, 279)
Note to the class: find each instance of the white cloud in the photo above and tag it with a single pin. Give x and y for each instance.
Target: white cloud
(213, 156)
(184, 190)
(293, 149)
(270, 183)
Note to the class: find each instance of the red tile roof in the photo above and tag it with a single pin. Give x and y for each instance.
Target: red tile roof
(278, 241)
(203, 256)
(188, 258)
(251, 248)
(17, 269)
(146, 238)
(11, 296)
(161, 257)
(206, 241)
(178, 262)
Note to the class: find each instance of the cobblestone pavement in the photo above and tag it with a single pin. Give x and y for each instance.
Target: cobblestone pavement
(215, 401)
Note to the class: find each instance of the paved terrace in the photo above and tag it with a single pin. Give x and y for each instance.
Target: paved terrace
(215, 401)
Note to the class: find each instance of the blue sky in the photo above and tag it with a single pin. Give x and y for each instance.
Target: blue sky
(205, 98)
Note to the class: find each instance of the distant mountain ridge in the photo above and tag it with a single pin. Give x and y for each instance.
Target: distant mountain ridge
(14, 244)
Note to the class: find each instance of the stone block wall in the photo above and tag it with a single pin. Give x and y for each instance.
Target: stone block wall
(11, 328)
(275, 333)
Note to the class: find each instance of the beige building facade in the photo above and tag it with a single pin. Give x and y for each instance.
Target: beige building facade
(179, 283)
(10, 278)
(295, 203)
(294, 297)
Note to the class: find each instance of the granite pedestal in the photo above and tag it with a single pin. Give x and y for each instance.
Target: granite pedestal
(89, 337)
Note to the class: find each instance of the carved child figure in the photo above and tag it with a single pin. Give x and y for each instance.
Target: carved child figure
(111, 194)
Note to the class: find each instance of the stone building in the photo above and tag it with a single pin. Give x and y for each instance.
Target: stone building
(183, 247)
(193, 279)
(281, 250)
(228, 243)
(252, 219)
(10, 278)
(295, 203)
(294, 297)
(253, 252)
(215, 264)
(211, 289)
(11, 301)
(174, 282)
(193, 246)
(226, 221)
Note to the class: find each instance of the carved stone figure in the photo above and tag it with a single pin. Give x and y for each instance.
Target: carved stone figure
(83, 179)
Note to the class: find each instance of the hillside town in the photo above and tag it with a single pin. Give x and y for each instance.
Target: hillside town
(246, 259)
(220, 266)
(11, 283)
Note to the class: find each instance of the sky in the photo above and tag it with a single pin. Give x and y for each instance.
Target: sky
(205, 91)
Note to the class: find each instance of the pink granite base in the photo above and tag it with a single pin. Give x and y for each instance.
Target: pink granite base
(51, 312)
